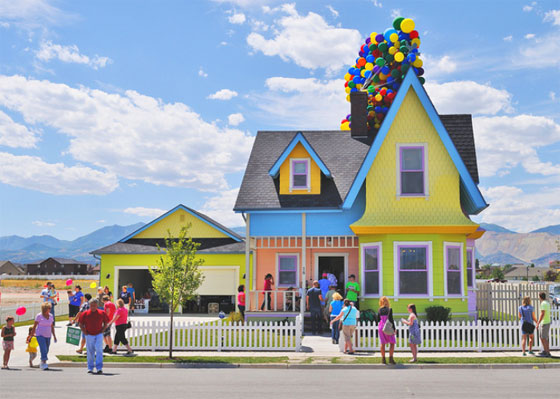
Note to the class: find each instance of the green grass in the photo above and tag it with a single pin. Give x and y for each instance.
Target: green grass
(458, 360)
(181, 359)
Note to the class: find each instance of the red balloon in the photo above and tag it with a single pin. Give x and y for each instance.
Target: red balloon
(413, 34)
(21, 311)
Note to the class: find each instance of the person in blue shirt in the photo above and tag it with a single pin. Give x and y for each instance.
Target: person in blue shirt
(132, 294)
(335, 307)
(314, 300)
(349, 318)
(75, 301)
(324, 285)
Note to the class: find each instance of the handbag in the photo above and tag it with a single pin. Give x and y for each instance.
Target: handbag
(527, 328)
(128, 325)
(388, 328)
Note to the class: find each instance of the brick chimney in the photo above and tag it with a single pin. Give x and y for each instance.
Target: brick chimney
(358, 110)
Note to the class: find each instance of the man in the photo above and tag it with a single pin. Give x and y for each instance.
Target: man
(110, 309)
(75, 302)
(328, 300)
(544, 325)
(93, 322)
(324, 285)
(48, 295)
(352, 290)
(83, 309)
(314, 299)
(132, 292)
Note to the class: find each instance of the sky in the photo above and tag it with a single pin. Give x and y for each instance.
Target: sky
(113, 112)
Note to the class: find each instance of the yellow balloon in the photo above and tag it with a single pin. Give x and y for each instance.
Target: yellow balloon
(345, 126)
(372, 37)
(378, 97)
(382, 76)
(369, 66)
(392, 50)
(347, 77)
(417, 63)
(399, 57)
(347, 90)
(376, 126)
(348, 98)
(92, 285)
(394, 37)
(416, 41)
(363, 73)
(359, 86)
(407, 25)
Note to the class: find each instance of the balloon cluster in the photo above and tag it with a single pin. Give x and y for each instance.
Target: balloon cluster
(384, 60)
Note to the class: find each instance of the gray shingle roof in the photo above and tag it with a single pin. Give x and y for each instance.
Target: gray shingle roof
(126, 248)
(342, 154)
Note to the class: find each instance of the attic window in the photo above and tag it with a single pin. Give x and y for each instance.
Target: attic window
(299, 174)
(412, 170)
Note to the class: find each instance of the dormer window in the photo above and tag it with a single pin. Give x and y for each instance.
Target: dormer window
(412, 173)
(299, 176)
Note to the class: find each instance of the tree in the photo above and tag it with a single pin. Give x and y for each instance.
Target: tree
(497, 273)
(535, 278)
(551, 275)
(177, 276)
(486, 270)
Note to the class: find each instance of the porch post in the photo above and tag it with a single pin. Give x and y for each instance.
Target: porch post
(303, 264)
(248, 263)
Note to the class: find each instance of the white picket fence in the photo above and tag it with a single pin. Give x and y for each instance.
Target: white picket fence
(31, 310)
(456, 336)
(216, 336)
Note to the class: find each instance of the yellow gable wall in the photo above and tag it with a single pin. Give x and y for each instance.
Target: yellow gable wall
(299, 151)
(175, 221)
(442, 207)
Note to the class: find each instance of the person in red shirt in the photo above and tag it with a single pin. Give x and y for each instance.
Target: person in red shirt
(93, 323)
(110, 309)
(268, 283)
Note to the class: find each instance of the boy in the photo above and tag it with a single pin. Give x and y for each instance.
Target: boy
(352, 290)
(544, 325)
(8, 334)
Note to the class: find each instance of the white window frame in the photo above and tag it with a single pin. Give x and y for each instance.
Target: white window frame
(277, 278)
(308, 166)
(462, 267)
(473, 262)
(379, 246)
(396, 260)
(426, 180)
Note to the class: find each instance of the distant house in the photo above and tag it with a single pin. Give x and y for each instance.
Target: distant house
(555, 264)
(525, 272)
(7, 267)
(94, 269)
(57, 266)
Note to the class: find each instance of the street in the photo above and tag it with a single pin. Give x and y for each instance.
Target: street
(261, 383)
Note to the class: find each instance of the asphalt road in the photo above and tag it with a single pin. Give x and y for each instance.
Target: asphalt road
(258, 383)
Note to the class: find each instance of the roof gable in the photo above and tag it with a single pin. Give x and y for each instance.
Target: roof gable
(474, 203)
(298, 139)
(207, 224)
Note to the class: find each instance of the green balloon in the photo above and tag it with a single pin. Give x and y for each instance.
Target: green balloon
(422, 80)
(395, 73)
(375, 79)
(380, 61)
(351, 84)
(371, 89)
(389, 58)
(397, 23)
(404, 49)
(404, 42)
(382, 47)
(404, 68)
(373, 47)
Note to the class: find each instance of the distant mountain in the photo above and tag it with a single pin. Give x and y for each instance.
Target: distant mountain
(23, 250)
(501, 258)
(546, 259)
(550, 230)
(496, 228)
(239, 230)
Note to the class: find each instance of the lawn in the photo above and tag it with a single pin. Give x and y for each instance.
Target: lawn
(182, 359)
(454, 360)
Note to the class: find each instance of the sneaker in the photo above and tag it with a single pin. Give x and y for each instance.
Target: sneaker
(129, 353)
(99, 371)
(90, 371)
(68, 325)
(531, 353)
(541, 353)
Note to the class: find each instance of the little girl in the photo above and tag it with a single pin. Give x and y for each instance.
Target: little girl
(32, 345)
(8, 334)
(414, 330)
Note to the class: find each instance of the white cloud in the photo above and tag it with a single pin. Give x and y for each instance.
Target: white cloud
(201, 73)
(237, 18)
(377, 3)
(224, 94)
(468, 97)
(259, 26)
(508, 38)
(236, 119)
(69, 54)
(552, 16)
(333, 11)
(15, 135)
(552, 95)
(529, 36)
(308, 41)
(145, 212)
(35, 174)
(101, 221)
(529, 7)
(30, 13)
(220, 208)
(131, 135)
(395, 13)
(440, 66)
(540, 46)
(40, 223)
(244, 3)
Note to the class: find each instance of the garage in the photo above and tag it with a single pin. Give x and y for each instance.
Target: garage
(219, 287)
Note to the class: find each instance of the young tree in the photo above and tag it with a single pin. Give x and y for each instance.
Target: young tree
(176, 276)
(497, 273)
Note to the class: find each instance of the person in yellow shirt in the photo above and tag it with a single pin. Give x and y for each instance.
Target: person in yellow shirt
(543, 324)
(32, 345)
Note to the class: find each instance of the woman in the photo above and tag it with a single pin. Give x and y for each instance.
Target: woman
(349, 316)
(241, 300)
(527, 316)
(267, 299)
(121, 320)
(335, 308)
(415, 337)
(43, 329)
(386, 315)
(108, 292)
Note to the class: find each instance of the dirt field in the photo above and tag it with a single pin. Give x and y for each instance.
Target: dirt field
(21, 292)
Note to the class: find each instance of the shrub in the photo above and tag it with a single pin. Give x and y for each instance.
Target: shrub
(438, 313)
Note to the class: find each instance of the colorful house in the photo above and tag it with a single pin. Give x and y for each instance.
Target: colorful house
(391, 206)
(221, 249)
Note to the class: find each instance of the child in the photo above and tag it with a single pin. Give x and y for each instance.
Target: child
(8, 334)
(414, 329)
(32, 345)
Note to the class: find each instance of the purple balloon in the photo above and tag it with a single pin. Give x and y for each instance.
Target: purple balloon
(379, 38)
(376, 68)
(368, 40)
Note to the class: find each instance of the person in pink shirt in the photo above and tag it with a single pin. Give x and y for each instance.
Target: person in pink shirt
(241, 300)
(43, 329)
(110, 310)
(267, 300)
(121, 324)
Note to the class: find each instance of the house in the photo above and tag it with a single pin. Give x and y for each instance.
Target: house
(525, 273)
(391, 206)
(8, 268)
(57, 266)
(221, 249)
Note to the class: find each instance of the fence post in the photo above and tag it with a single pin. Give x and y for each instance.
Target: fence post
(479, 335)
(154, 335)
(220, 335)
(298, 332)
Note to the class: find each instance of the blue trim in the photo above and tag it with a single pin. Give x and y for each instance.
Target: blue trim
(475, 203)
(291, 210)
(299, 138)
(209, 221)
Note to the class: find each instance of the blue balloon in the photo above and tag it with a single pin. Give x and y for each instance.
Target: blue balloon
(351, 71)
(357, 79)
(385, 70)
(387, 34)
(367, 74)
(353, 90)
(370, 58)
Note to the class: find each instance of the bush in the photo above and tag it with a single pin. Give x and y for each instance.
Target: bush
(368, 315)
(438, 313)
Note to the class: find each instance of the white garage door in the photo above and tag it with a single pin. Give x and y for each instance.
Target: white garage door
(218, 281)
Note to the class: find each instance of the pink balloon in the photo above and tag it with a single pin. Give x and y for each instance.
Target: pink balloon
(21, 311)
(69, 282)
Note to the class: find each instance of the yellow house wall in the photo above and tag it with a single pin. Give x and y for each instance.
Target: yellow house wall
(299, 151)
(442, 206)
(175, 221)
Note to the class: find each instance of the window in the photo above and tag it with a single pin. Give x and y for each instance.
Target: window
(287, 270)
(412, 173)
(413, 276)
(371, 277)
(300, 174)
(470, 270)
(453, 269)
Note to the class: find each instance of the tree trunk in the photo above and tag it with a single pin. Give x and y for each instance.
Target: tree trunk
(171, 332)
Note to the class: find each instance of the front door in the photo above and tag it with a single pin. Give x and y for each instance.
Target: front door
(332, 264)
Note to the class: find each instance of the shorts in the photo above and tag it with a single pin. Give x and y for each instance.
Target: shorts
(8, 345)
(73, 310)
(544, 331)
(348, 332)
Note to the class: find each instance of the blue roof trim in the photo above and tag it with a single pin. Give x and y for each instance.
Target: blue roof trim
(299, 138)
(290, 210)
(475, 203)
(197, 215)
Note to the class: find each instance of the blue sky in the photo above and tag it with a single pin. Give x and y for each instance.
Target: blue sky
(113, 112)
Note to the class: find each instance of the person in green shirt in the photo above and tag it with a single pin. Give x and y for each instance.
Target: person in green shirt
(352, 290)
(543, 324)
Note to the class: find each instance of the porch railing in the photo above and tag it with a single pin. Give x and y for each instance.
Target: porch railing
(274, 301)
